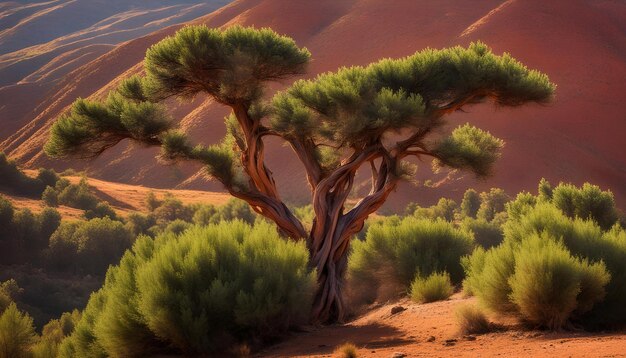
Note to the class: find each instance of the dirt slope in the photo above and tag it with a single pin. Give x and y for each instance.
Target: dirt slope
(580, 44)
(422, 331)
(42, 41)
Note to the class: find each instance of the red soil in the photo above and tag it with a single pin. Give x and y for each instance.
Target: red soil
(422, 331)
(580, 44)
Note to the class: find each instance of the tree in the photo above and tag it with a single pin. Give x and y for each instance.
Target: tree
(376, 116)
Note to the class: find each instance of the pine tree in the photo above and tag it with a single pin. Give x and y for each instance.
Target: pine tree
(335, 123)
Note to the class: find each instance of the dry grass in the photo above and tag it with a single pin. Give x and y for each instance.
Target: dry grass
(472, 320)
(346, 350)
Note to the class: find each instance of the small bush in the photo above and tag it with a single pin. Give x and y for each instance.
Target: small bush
(17, 333)
(77, 195)
(13, 179)
(196, 292)
(492, 203)
(50, 197)
(486, 234)
(395, 250)
(88, 247)
(549, 285)
(101, 210)
(470, 204)
(587, 202)
(472, 320)
(436, 287)
(346, 350)
(444, 209)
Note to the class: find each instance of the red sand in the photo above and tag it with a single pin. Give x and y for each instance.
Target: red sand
(378, 333)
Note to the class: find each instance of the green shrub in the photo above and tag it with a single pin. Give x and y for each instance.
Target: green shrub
(9, 290)
(196, 292)
(177, 226)
(492, 203)
(587, 202)
(6, 215)
(13, 179)
(234, 209)
(395, 250)
(549, 285)
(47, 177)
(50, 197)
(486, 234)
(444, 209)
(101, 210)
(140, 224)
(472, 320)
(436, 287)
(172, 209)
(88, 247)
(487, 276)
(584, 238)
(152, 202)
(522, 204)
(53, 334)
(17, 333)
(544, 190)
(470, 204)
(77, 196)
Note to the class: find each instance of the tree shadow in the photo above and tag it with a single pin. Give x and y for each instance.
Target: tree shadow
(326, 339)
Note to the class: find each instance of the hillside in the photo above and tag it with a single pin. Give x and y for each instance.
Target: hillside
(578, 43)
(43, 41)
(123, 198)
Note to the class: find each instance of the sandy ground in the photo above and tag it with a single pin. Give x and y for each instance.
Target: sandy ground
(378, 333)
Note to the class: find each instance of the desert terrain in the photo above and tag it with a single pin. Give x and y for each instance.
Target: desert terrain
(431, 330)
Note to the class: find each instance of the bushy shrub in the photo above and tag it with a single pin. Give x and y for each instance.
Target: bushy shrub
(522, 204)
(436, 287)
(9, 290)
(50, 197)
(140, 224)
(53, 334)
(587, 202)
(196, 292)
(444, 209)
(544, 190)
(492, 203)
(47, 177)
(17, 333)
(490, 275)
(470, 204)
(101, 210)
(6, 213)
(395, 250)
(77, 196)
(152, 202)
(472, 320)
(486, 234)
(15, 180)
(549, 285)
(88, 247)
(172, 209)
